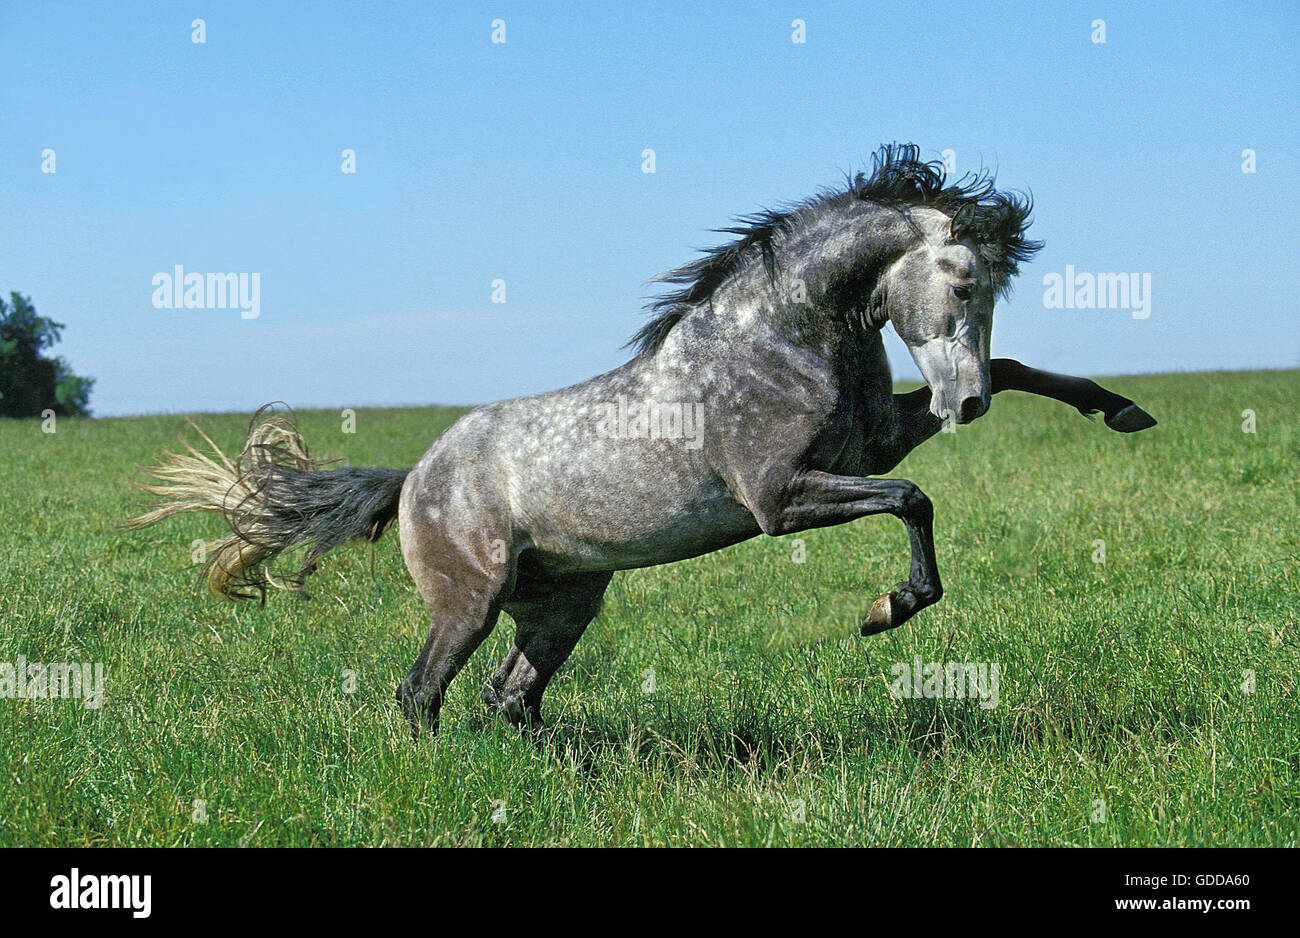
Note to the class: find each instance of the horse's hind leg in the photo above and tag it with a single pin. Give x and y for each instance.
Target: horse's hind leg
(463, 586)
(454, 633)
(551, 614)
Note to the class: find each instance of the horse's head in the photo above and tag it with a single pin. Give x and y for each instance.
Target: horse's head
(940, 300)
(903, 244)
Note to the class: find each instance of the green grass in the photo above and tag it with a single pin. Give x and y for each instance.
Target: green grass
(1121, 682)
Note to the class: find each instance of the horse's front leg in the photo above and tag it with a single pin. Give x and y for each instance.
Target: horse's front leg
(1086, 396)
(915, 423)
(814, 499)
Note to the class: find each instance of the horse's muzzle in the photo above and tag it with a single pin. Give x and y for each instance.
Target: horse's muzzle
(972, 407)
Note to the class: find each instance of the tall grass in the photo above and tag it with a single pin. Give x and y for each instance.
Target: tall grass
(725, 700)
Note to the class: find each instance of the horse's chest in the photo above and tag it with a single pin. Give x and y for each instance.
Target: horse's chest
(862, 414)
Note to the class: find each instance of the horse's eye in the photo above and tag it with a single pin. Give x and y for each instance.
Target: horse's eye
(962, 292)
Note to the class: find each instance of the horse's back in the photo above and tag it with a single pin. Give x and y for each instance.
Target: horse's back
(567, 480)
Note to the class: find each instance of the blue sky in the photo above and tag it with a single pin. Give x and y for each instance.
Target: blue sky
(522, 162)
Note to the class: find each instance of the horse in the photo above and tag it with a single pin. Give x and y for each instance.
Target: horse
(758, 400)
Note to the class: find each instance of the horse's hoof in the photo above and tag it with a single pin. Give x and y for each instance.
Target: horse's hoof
(880, 617)
(1130, 419)
(513, 708)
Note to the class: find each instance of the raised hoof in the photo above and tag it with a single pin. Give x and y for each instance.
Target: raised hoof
(1130, 419)
(880, 617)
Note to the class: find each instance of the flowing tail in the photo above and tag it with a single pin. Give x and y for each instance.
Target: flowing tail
(274, 496)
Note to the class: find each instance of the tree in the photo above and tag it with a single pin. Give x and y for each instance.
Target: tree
(29, 383)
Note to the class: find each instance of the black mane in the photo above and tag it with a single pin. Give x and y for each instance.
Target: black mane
(995, 220)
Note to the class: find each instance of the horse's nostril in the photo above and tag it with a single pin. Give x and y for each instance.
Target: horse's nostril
(971, 408)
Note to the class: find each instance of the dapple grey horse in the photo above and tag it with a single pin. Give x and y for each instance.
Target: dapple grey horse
(760, 400)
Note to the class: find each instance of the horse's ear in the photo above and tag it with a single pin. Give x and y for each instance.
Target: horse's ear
(964, 216)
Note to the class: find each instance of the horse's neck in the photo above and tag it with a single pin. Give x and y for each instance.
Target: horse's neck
(722, 336)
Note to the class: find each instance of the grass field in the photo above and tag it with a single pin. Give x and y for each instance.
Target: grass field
(727, 700)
